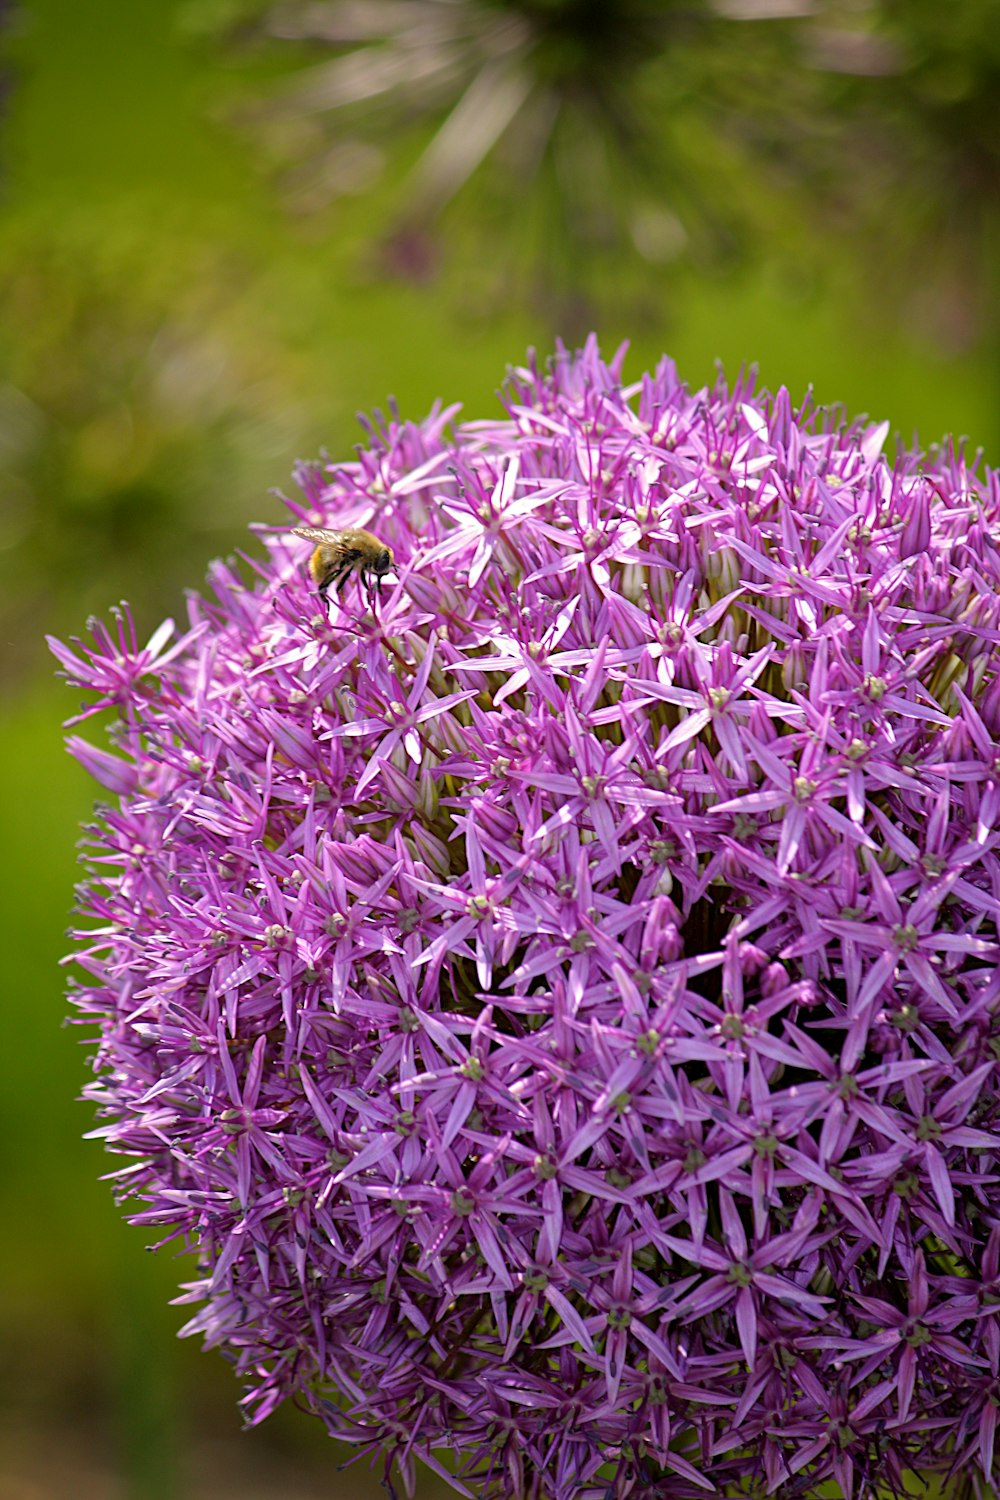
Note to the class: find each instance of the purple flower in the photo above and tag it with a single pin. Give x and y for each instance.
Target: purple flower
(558, 1004)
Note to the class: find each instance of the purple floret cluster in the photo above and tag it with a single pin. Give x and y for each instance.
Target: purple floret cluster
(557, 1001)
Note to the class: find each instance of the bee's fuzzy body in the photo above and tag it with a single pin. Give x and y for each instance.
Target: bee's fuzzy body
(339, 554)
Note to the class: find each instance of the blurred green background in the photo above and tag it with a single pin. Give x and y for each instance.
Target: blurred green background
(197, 287)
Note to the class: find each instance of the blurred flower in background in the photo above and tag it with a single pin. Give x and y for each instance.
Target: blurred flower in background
(593, 141)
(593, 144)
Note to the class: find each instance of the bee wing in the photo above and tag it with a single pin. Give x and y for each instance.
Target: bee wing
(317, 533)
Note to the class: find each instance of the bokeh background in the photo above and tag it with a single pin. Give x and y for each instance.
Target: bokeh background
(226, 227)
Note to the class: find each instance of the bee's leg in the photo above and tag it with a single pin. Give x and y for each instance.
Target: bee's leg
(343, 578)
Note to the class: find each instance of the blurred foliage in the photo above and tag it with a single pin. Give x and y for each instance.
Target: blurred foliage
(912, 155)
(135, 417)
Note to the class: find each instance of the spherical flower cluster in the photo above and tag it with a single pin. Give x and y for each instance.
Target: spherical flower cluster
(557, 999)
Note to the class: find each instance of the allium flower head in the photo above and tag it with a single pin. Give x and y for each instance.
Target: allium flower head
(557, 1002)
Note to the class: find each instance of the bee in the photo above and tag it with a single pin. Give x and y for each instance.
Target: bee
(339, 554)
